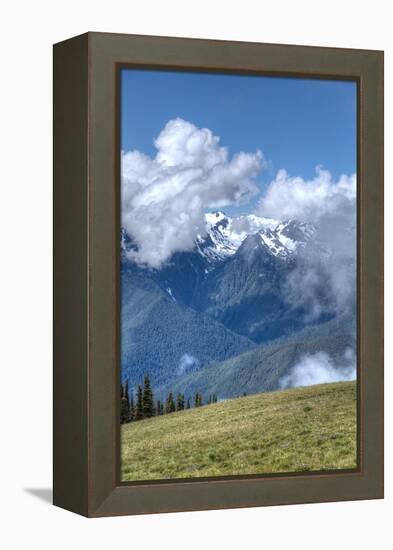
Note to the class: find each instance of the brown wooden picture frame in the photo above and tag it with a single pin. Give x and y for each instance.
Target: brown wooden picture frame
(86, 274)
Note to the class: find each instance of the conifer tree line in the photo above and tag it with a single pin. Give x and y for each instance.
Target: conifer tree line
(144, 405)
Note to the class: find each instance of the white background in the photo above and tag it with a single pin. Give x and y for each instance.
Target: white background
(28, 30)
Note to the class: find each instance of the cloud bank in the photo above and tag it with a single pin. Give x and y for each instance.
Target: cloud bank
(324, 280)
(320, 368)
(164, 198)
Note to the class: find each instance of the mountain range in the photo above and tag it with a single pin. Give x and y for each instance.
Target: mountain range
(221, 318)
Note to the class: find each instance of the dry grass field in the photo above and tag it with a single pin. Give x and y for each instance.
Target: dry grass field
(294, 430)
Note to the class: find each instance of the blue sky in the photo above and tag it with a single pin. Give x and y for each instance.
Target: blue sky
(297, 123)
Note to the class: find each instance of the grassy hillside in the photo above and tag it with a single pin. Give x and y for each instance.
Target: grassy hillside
(300, 429)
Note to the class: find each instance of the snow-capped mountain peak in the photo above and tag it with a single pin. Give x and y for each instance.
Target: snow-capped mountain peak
(222, 239)
(287, 237)
(213, 218)
(225, 235)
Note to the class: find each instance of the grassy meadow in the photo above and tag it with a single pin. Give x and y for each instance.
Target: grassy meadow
(301, 429)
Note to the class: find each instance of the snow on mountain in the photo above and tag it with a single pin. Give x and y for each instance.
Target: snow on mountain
(287, 237)
(221, 240)
(226, 234)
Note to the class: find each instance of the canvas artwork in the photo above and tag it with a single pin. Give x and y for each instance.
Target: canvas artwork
(238, 291)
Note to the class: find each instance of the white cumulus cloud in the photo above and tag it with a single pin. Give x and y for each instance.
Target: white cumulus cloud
(164, 198)
(319, 368)
(309, 200)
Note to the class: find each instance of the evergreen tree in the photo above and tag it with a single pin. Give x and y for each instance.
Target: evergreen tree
(188, 406)
(214, 398)
(209, 401)
(170, 404)
(139, 404)
(124, 407)
(126, 394)
(132, 409)
(180, 402)
(147, 399)
(198, 400)
(159, 408)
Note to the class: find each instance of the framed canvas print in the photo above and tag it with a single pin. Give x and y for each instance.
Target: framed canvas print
(218, 287)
